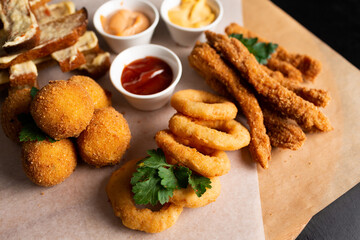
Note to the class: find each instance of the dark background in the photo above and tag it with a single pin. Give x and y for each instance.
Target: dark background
(336, 23)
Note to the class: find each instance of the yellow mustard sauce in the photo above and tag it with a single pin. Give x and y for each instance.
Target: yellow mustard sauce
(192, 14)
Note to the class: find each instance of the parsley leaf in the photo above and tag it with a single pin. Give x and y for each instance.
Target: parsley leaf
(199, 184)
(168, 178)
(147, 191)
(164, 194)
(261, 51)
(29, 130)
(182, 174)
(155, 159)
(142, 174)
(155, 180)
(33, 92)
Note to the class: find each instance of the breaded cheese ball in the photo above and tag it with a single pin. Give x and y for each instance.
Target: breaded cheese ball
(62, 109)
(48, 164)
(16, 103)
(100, 97)
(106, 139)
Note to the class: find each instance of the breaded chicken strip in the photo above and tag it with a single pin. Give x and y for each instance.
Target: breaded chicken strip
(288, 70)
(210, 65)
(318, 97)
(306, 114)
(308, 66)
(282, 133)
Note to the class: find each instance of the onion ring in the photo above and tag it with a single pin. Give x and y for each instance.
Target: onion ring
(226, 135)
(119, 192)
(187, 197)
(213, 164)
(203, 105)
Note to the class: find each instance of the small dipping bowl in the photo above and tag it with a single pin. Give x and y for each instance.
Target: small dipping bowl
(146, 102)
(187, 36)
(119, 43)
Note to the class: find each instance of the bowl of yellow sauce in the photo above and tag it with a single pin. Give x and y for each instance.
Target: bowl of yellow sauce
(186, 20)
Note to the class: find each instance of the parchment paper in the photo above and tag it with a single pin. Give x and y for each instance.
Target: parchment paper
(299, 184)
(78, 208)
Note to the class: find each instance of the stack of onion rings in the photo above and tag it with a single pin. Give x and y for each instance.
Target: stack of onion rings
(203, 121)
(197, 139)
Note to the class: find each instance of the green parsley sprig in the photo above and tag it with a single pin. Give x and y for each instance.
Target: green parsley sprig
(261, 51)
(155, 180)
(29, 130)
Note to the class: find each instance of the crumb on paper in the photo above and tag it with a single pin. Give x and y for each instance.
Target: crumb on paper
(42, 193)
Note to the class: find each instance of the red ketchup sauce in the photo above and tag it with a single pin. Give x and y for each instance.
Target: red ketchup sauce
(146, 76)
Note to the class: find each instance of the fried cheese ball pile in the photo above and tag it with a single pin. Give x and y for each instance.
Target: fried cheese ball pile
(198, 135)
(63, 110)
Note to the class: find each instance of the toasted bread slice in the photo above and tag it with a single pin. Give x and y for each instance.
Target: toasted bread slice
(23, 75)
(55, 35)
(34, 4)
(20, 24)
(69, 58)
(97, 63)
(51, 12)
(72, 58)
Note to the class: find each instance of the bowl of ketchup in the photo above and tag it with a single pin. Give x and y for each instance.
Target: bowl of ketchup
(146, 75)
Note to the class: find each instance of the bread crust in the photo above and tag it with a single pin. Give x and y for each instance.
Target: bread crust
(48, 44)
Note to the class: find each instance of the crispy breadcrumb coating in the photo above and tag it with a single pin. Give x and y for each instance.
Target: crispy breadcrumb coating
(62, 109)
(47, 164)
(17, 102)
(306, 114)
(105, 139)
(309, 67)
(100, 96)
(318, 97)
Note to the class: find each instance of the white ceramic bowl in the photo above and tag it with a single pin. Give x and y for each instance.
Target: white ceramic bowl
(146, 102)
(118, 43)
(188, 36)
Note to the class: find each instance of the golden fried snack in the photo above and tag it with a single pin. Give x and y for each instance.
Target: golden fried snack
(288, 70)
(282, 133)
(211, 164)
(226, 135)
(187, 197)
(209, 64)
(17, 102)
(105, 139)
(62, 109)
(318, 97)
(47, 164)
(203, 105)
(309, 67)
(306, 114)
(100, 97)
(119, 193)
